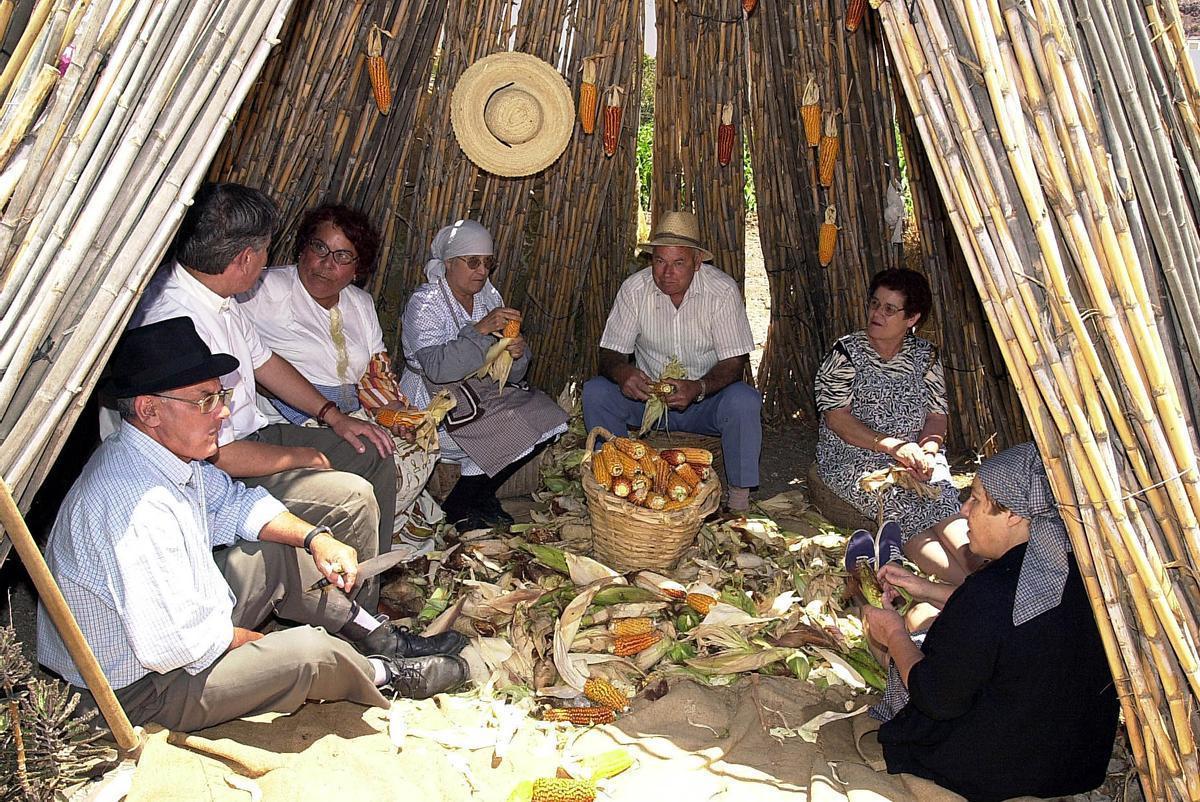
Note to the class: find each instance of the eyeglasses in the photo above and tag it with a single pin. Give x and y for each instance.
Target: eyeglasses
(889, 310)
(480, 262)
(207, 404)
(341, 257)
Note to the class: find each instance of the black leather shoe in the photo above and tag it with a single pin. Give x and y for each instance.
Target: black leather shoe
(394, 641)
(422, 677)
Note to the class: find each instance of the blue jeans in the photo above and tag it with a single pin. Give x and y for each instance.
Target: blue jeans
(734, 414)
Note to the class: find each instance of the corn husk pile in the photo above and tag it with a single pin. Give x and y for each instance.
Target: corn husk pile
(659, 480)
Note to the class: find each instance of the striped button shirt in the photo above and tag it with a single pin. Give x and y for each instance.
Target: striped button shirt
(131, 550)
(710, 324)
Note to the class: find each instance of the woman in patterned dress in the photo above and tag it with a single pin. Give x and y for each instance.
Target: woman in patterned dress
(882, 397)
(450, 322)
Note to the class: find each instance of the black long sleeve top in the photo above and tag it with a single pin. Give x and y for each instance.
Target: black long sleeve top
(998, 711)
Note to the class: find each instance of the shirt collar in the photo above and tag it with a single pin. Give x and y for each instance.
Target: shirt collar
(176, 470)
(192, 286)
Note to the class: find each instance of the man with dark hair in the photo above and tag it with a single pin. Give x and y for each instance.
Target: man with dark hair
(171, 621)
(220, 250)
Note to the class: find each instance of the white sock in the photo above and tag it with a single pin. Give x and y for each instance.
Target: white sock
(381, 671)
(365, 620)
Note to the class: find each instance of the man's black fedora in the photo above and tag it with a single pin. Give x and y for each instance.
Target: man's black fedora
(163, 356)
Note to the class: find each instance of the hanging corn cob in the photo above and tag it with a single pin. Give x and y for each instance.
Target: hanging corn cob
(628, 645)
(381, 85)
(580, 715)
(498, 362)
(827, 237)
(827, 151)
(603, 692)
(810, 112)
(748, 6)
(854, 14)
(612, 120)
(556, 789)
(725, 135)
(589, 96)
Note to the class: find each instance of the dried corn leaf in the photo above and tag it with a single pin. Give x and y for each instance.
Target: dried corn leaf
(584, 570)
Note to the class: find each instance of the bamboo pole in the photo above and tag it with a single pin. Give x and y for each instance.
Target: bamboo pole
(52, 598)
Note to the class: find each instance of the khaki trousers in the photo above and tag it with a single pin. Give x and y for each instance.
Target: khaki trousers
(277, 673)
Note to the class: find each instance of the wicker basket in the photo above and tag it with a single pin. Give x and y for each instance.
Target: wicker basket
(628, 537)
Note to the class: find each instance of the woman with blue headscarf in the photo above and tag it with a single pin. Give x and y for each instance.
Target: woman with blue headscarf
(1010, 693)
(450, 323)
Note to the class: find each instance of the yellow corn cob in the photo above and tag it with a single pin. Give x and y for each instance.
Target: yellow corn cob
(600, 470)
(677, 489)
(589, 96)
(656, 501)
(632, 644)
(615, 466)
(650, 463)
(827, 237)
(556, 789)
(700, 602)
(703, 471)
(688, 474)
(381, 85)
(606, 764)
(662, 474)
(387, 418)
(633, 448)
(697, 456)
(512, 329)
(672, 456)
(624, 627)
(640, 482)
(603, 692)
(827, 150)
(640, 496)
(810, 112)
(621, 486)
(580, 715)
(629, 466)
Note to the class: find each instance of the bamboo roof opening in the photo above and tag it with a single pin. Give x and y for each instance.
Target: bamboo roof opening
(1050, 147)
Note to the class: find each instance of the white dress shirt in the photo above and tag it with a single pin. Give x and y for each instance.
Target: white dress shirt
(709, 325)
(225, 327)
(131, 550)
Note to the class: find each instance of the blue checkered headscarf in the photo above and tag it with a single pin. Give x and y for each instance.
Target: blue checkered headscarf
(1017, 479)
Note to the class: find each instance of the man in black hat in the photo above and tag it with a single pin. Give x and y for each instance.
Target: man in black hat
(170, 620)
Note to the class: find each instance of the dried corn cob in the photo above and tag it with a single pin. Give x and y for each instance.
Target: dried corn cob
(748, 6)
(600, 470)
(697, 456)
(640, 482)
(827, 151)
(388, 418)
(854, 14)
(621, 486)
(656, 501)
(672, 456)
(700, 602)
(810, 112)
(633, 448)
(381, 85)
(640, 495)
(603, 692)
(703, 471)
(688, 474)
(556, 789)
(612, 120)
(589, 96)
(650, 464)
(626, 645)
(624, 627)
(580, 715)
(606, 764)
(725, 135)
(662, 473)
(615, 466)
(827, 237)
(629, 466)
(677, 489)
(512, 329)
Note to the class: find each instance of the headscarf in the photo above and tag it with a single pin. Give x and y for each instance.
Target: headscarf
(1017, 479)
(462, 238)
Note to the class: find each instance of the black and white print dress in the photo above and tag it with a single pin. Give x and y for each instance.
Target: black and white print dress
(892, 397)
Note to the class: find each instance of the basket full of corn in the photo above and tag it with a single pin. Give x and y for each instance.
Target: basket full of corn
(646, 505)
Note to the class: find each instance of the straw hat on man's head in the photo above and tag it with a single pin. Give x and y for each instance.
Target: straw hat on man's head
(680, 229)
(512, 114)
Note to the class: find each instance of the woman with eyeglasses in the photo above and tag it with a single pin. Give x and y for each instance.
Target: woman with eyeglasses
(882, 397)
(312, 314)
(450, 323)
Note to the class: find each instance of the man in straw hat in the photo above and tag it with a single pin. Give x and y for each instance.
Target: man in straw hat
(1010, 693)
(170, 620)
(683, 308)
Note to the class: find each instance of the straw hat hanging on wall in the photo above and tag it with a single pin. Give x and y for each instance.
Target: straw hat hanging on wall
(512, 114)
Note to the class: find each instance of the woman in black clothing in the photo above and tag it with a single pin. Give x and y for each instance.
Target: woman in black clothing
(1010, 693)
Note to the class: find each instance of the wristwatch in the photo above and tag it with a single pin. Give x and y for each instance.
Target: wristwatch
(703, 389)
(312, 533)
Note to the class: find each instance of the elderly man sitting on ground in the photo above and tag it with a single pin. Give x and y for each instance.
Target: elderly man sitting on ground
(682, 308)
(172, 622)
